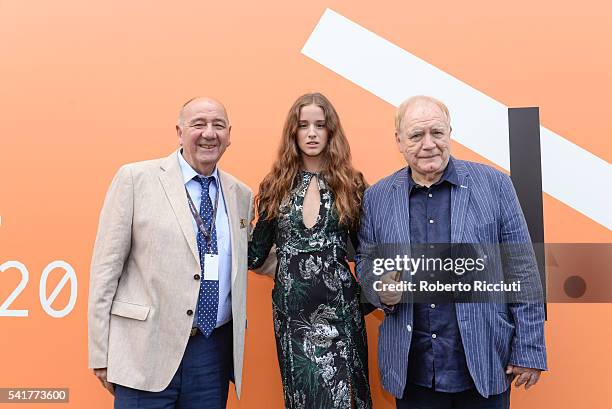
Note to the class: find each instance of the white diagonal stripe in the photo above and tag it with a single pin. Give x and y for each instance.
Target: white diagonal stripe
(569, 173)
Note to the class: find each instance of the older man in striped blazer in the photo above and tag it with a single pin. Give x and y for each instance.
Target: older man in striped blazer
(450, 354)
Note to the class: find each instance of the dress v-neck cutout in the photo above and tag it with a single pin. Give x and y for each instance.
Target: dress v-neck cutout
(311, 207)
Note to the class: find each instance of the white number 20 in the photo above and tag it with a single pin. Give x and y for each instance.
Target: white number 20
(45, 301)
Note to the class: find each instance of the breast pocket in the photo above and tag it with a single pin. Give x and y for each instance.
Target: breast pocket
(487, 233)
(488, 249)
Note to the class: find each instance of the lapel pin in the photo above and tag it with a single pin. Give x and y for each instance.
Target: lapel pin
(243, 223)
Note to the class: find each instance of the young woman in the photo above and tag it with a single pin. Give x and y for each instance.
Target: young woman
(308, 206)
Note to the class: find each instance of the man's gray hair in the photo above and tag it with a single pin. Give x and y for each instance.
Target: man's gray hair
(179, 120)
(401, 110)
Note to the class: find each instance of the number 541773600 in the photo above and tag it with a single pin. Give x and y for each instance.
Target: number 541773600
(45, 302)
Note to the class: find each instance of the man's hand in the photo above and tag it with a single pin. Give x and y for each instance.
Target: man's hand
(527, 376)
(101, 375)
(390, 297)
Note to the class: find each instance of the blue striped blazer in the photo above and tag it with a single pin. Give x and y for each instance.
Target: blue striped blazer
(484, 209)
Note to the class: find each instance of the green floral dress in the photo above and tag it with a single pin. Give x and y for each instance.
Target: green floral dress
(319, 326)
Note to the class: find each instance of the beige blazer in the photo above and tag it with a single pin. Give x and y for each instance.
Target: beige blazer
(142, 274)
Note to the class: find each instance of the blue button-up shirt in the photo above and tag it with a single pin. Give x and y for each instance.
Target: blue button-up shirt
(437, 358)
(224, 244)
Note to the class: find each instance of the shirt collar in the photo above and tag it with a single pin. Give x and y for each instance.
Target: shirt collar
(189, 173)
(449, 175)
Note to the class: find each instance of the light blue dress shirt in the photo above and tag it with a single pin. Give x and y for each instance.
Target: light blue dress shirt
(224, 243)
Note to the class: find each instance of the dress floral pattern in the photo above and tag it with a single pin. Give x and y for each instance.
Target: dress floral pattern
(318, 323)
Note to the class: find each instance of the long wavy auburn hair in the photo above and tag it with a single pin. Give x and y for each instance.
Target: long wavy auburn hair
(346, 183)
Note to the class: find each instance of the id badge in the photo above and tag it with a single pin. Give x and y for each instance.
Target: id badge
(211, 267)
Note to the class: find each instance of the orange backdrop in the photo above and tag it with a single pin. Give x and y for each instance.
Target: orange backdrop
(88, 86)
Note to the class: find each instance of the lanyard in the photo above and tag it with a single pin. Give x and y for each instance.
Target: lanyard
(198, 219)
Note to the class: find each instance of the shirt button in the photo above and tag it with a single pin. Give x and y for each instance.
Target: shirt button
(430, 195)
(431, 221)
(196, 277)
(433, 305)
(434, 336)
(189, 312)
(408, 327)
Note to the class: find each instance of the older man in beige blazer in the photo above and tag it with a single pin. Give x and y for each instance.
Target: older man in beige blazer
(167, 299)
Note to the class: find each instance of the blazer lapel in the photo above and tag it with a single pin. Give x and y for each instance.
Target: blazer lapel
(401, 208)
(229, 194)
(460, 196)
(401, 213)
(171, 179)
